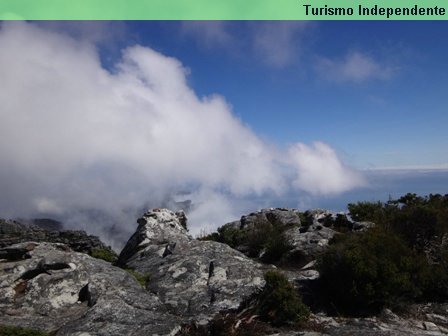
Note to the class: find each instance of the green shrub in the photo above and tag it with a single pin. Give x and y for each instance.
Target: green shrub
(306, 219)
(104, 254)
(341, 223)
(365, 211)
(362, 273)
(231, 235)
(261, 236)
(276, 248)
(207, 237)
(142, 279)
(279, 303)
(256, 237)
(227, 234)
(18, 331)
(420, 221)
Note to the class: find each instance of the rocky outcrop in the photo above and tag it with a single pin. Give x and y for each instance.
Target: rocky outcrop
(194, 279)
(55, 289)
(426, 323)
(307, 239)
(280, 217)
(51, 287)
(14, 232)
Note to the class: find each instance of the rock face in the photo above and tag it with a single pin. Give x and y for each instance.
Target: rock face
(194, 279)
(13, 232)
(55, 289)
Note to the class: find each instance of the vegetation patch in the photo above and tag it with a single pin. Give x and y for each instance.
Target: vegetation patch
(262, 240)
(362, 273)
(142, 279)
(403, 259)
(18, 331)
(104, 254)
(279, 303)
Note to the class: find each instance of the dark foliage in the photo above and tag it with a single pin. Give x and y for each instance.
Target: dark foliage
(404, 259)
(262, 238)
(17, 331)
(362, 273)
(104, 254)
(279, 302)
(365, 211)
(142, 279)
(416, 219)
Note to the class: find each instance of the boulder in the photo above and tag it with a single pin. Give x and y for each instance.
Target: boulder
(55, 289)
(280, 217)
(194, 279)
(309, 241)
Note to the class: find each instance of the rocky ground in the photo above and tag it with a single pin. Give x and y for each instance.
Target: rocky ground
(49, 282)
(13, 232)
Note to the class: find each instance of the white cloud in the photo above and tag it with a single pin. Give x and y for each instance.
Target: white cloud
(277, 43)
(104, 32)
(209, 33)
(274, 43)
(320, 171)
(355, 67)
(75, 136)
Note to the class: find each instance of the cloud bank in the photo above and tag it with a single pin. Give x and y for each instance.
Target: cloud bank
(89, 144)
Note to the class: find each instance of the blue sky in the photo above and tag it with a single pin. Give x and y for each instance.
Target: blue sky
(116, 117)
(375, 91)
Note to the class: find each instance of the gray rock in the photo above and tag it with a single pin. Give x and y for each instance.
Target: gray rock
(56, 289)
(280, 217)
(362, 226)
(309, 243)
(430, 326)
(318, 215)
(14, 232)
(195, 279)
(386, 324)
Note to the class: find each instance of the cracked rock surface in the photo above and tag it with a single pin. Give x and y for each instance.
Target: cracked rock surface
(56, 289)
(195, 279)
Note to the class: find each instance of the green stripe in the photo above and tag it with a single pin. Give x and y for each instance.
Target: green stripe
(206, 9)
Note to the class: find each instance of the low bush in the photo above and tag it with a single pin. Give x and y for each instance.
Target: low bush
(104, 254)
(18, 331)
(276, 248)
(279, 302)
(341, 223)
(142, 279)
(362, 273)
(306, 219)
(263, 238)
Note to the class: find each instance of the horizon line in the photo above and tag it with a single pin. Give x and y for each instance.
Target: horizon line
(436, 167)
